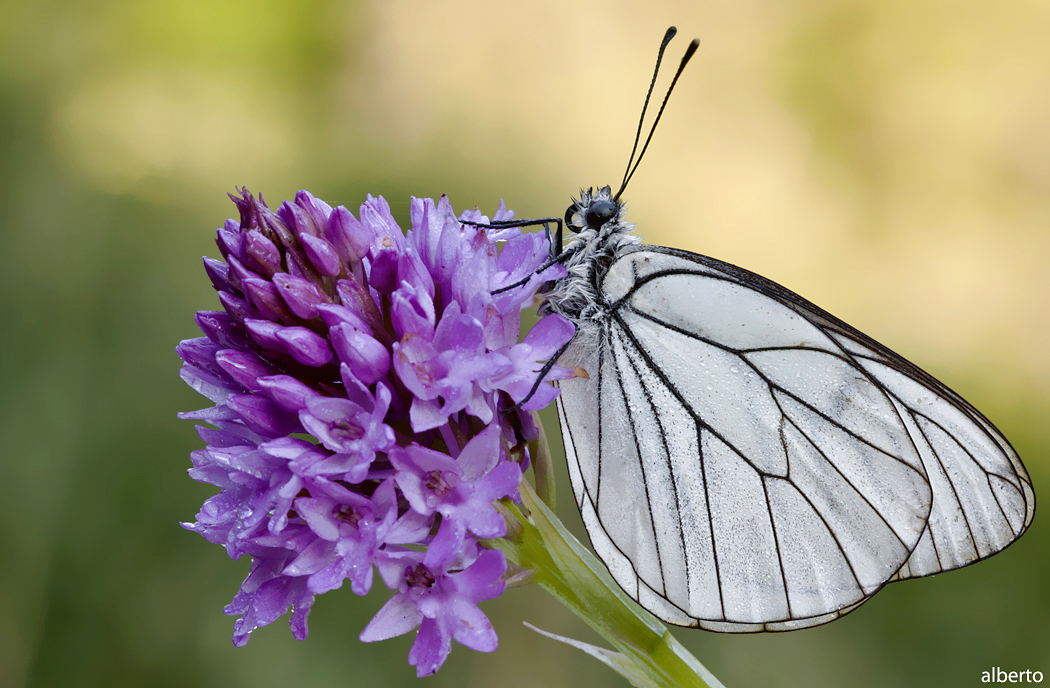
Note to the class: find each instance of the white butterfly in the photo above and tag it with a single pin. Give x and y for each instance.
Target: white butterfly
(745, 461)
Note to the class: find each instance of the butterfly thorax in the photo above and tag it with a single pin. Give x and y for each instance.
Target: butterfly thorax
(600, 236)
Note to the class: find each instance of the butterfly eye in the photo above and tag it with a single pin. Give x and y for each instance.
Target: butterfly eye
(569, 213)
(597, 214)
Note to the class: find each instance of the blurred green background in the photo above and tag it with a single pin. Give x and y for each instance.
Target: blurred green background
(889, 160)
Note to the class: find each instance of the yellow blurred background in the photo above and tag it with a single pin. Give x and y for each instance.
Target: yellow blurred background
(888, 160)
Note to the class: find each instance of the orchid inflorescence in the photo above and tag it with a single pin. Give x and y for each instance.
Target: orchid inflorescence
(367, 385)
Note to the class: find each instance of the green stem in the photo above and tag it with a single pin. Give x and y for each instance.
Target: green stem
(650, 655)
(542, 465)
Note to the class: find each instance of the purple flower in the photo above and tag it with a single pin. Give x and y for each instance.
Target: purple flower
(349, 528)
(527, 359)
(461, 490)
(363, 383)
(355, 432)
(444, 605)
(266, 595)
(449, 374)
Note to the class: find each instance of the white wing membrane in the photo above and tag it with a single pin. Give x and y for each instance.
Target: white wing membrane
(755, 464)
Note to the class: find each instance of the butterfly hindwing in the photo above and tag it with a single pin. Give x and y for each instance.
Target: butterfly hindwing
(744, 461)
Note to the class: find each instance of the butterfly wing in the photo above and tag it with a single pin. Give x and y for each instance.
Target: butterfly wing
(744, 461)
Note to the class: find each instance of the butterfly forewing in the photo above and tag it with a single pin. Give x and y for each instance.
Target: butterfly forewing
(745, 461)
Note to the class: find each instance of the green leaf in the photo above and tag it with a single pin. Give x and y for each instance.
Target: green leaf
(617, 661)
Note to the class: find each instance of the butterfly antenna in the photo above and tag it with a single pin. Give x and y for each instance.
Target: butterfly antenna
(671, 31)
(693, 45)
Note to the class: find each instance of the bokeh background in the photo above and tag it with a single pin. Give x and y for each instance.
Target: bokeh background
(889, 160)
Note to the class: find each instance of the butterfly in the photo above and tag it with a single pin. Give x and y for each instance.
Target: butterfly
(742, 459)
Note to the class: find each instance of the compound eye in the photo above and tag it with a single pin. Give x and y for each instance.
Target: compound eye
(569, 212)
(597, 214)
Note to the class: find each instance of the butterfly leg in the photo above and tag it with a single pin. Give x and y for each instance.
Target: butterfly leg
(555, 244)
(545, 221)
(553, 261)
(542, 374)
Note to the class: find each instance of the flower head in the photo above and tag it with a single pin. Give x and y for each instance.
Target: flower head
(362, 382)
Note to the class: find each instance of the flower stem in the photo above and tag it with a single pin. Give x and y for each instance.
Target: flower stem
(649, 656)
(542, 465)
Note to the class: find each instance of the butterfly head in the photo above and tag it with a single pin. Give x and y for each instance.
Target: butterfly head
(593, 211)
